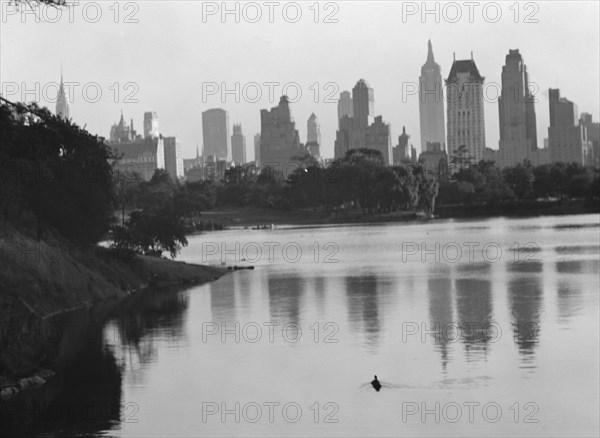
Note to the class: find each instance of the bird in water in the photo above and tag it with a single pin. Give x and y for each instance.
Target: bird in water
(376, 384)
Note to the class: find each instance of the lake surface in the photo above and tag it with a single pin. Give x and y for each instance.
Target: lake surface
(493, 332)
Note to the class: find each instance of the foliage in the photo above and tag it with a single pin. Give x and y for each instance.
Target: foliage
(57, 171)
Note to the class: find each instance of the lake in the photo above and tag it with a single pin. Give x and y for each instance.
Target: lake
(474, 328)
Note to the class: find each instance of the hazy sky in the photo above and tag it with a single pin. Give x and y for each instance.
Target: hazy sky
(174, 51)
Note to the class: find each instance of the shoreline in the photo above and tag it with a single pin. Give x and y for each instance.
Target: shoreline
(237, 218)
(41, 289)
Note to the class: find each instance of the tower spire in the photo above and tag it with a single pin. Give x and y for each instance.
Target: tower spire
(429, 52)
(62, 99)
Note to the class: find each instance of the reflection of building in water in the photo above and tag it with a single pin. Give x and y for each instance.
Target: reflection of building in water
(474, 314)
(440, 314)
(222, 301)
(363, 310)
(570, 303)
(525, 296)
(285, 293)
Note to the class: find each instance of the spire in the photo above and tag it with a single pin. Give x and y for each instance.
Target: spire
(429, 52)
(197, 152)
(62, 99)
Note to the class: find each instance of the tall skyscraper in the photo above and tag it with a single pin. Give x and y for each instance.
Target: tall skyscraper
(151, 124)
(173, 157)
(344, 106)
(257, 149)
(431, 103)
(466, 123)
(593, 135)
(363, 108)
(62, 101)
(343, 139)
(279, 140)
(238, 145)
(215, 134)
(518, 136)
(567, 138)
(378, 137)
(313, 137)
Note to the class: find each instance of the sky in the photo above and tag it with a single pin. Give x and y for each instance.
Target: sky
(177, 57)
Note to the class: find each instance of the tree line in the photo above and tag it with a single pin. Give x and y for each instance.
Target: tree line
(56, 175)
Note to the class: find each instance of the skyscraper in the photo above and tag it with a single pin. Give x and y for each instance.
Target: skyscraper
(567, 138)
(62, 101)
(401, 151)
(345, 122)
(313, 137)
(313, 129)
(173, 157)
(151, 124)
(518, 136)
(377, 136)
(215, 134)
(344, 107)
(343, 142)
(593, 135)
(238, 145)
(279, 139)
(466, 124)
(363, 104)
(431, 103)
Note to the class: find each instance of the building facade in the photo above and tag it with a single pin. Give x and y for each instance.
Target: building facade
(431, 103)
(363, 108)
(593, 136)
(173, 157)
(465, 116)
(238, 145)
(215, 134)
(518, 128)
(378, 137)
(401, 152)
(567, 138)
(343, 137)
(345, 106)
(313, 136)
(279, 140)
(151, 124)
(121, 132)
(143, 156)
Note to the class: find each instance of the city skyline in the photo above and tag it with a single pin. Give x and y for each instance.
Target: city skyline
(179, 102)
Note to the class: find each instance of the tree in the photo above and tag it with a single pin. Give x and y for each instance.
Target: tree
(57, 171)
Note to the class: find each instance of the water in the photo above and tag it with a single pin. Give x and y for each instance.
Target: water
(501, 342)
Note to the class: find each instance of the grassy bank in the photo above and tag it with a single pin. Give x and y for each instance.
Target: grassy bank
(40, 280)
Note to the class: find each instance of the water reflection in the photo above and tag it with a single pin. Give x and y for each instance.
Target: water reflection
(86, 395)
(363, 307)
(285, 293)
(440, 313)
(570, 300)
(222, 301)
(525, 294)
(474, 314)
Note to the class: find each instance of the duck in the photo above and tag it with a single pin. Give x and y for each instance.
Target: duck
(376, 384)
